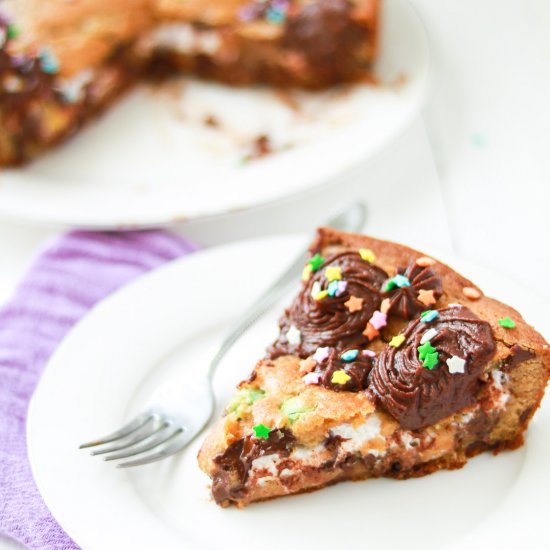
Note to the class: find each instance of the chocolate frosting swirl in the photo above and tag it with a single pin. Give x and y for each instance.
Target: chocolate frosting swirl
(418, 397)
(404, 301)
(358, 371)
(328, 322)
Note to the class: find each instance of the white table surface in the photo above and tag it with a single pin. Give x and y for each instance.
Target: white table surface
(488, 127)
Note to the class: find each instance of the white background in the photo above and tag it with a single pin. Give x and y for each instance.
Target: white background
(471, 175)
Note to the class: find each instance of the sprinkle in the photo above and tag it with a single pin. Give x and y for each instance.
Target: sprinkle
(354, 304)
(424, 261)
(428, 335)
(333, 273)
(321, 354)
(453, 305)
(385, 305)
(456, 365)
(261, 431)
(398, 281)
(336, 288)
(321, 295)
(12, 31)
(471, 293)
(370, 332)
(307, 365)
(340, 377)
(506, 323)
(367, 255)
(275, 15)
(424, 350)
(396, 341)
(316, 262)
(13, 84)
(429, 315)
(378, 320)
(368, 353)
(315, 289)
(48, 61)
(3, 37)
(431, 360)
(306, 273)
(312, 378)
(349, 355)
(426, 297)
(293, 336)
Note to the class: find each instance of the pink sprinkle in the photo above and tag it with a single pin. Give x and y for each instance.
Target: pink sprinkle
(453, 305)
(342, 285)
(369, 353)
(312, 378)
(379, 320)
(321, 354)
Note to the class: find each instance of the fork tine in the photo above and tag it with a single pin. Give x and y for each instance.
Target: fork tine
(166, 451)
(140, 435)
(128, 429)
(149, 446)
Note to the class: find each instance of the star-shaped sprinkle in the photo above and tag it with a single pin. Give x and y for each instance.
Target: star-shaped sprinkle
(507, 323)
(317, 293)
(333, 273)
(333, 288)
(396, 341)
(397, 281)
(428, 335)
(321, 354)
(312, 378)
(306, 273)
(429, 316)
(48, 61)
(340, 377)
(367, 254)
(368, 353)
(424, 350)
(385, 305)
(431, 360)
(293, 336)
(340, 287)
(426, 297)
(316, 262)
(307, 365)
(354, 304)
(261, 431)
(349, 355)
(378, 320)
(471, 293)
(456, 365)
(370, 332)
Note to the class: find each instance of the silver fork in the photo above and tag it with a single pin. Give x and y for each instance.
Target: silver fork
(179, 412)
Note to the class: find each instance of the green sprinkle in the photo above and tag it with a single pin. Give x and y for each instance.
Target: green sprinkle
(506, 323)
(261, 430)
(431, 360)
(12, 31)
(316, 262)
(425, 349)
(293, 408)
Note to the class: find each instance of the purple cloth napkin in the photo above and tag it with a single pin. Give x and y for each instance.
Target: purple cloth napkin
(72, 275)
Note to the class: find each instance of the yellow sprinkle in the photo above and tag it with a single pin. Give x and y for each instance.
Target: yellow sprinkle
(321, 295)
(367, 254)
(333, 274)
(306, 272)
(396, 341)
(340, 377)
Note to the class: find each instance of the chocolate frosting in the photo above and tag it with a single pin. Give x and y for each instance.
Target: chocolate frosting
(328, 322)
(358, 370)
(418, 397)
(234, 464)
(404, 301)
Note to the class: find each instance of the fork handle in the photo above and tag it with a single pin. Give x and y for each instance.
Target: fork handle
(351, 219)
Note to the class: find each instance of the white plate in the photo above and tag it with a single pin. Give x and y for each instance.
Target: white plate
(171, 320)
(152, 161)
